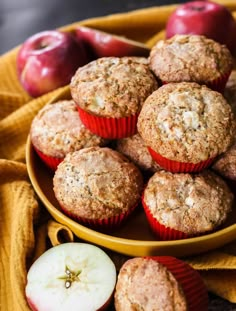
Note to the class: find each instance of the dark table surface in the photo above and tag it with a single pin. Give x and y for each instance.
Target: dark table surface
(20, 19)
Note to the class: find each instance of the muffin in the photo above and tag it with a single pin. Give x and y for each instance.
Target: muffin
(159, 283)
(192, 58)
(133, 147)
(179, 206)
(57, 130)
(185, 126)
(98, 187)
(110, 92)
(230, 91)
(225, 164)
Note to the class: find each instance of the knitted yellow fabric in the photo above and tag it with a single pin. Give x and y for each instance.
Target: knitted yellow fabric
(26, 229)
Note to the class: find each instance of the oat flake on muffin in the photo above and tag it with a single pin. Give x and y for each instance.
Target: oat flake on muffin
(113, 87)
(187, 122)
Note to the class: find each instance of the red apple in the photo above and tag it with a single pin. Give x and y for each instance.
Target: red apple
(48, 60)
(104, 44)
(71, 276)
(207, 18)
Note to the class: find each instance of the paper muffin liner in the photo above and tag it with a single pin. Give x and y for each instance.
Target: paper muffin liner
(104, 224)
(110, 128)
(216, 84)
(160, 231)
(219, 83)
(179, 167)
(189, 279)
(51, 162)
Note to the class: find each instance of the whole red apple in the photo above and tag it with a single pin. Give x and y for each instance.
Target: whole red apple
(48, 60)
(103, 44)
(207, 18)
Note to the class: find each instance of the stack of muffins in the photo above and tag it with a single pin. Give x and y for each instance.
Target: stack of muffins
(128, 115)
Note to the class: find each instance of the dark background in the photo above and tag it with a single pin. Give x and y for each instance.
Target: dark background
(20, 19)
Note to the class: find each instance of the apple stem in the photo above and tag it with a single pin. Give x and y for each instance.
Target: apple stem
(70, 277)
(197, 8)
(41, 46)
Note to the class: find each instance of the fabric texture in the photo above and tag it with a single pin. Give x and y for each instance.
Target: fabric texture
(26, 229)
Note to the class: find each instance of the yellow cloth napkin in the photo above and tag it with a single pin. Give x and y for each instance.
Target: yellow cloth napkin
(26, 229)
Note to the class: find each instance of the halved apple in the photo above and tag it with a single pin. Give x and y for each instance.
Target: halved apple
(104, 44)
(71, 276)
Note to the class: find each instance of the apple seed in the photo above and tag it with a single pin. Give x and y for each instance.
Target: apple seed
(70, 277)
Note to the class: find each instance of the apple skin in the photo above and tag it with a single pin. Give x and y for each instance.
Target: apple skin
(102, 44)
(207, 18)
(48, 60)
(88, 269)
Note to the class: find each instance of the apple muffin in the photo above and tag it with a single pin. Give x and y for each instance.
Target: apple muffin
(160, 283)
(184, 205)
(98, 187)
(225, 164)
(192, 58)
(133, 147)
(110, 92)
(230, 91)
(186, 125)
(57, 130)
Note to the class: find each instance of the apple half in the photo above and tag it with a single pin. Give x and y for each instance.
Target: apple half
(103, 44)
(71, 277)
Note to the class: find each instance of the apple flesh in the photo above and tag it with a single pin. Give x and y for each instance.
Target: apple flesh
(48, 60)
(102, 44)
(207, 18)
(71, 276)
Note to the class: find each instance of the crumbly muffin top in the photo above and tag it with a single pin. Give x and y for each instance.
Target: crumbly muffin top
(134, 148)
(112, 86)
(138, 289)
(230, 91)
(57, 130)
(97, 183)
(189, 203)
(186, 122)
(225, 164)
(189, 58)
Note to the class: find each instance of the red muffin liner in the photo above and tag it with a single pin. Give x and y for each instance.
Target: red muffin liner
(219, 83)
(160, 231)
(51, 162)
(103, 225)
(110, 128)
(189, 279)
(216, 84)
(179, 167)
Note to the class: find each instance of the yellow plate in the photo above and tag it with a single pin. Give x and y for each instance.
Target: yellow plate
(135, 238)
